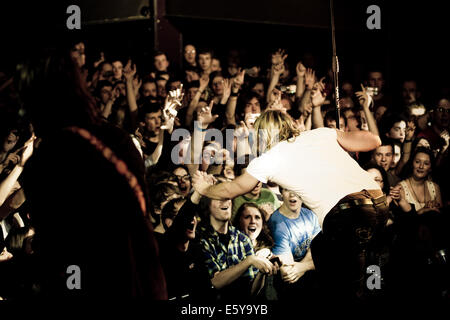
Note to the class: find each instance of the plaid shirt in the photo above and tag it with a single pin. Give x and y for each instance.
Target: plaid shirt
(219, 257)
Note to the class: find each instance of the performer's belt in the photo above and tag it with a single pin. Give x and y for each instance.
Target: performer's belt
(366, 197)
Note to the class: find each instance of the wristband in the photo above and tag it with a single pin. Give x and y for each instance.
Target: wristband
(233, 94)
(201, 129)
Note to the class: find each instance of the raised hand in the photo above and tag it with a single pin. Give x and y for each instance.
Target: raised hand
(410, 130)
(364, 98)
(278, 69)
(275, 94)
(27, 150)
(278, 57)
(100, 60)
(226, 89)
(446, 136)
(201, 181)
(137, 83)
(300, 69)
(310, 78)
(318, 93)
(204, 115)
(238, 80)
(276, 104)
(172, 103)
(129, 71)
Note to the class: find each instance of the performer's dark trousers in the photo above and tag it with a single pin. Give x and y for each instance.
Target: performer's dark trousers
(348, 242)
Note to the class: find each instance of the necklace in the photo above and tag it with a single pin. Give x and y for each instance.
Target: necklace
(414, 193)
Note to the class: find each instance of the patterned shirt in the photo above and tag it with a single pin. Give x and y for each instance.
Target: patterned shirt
(219, 257)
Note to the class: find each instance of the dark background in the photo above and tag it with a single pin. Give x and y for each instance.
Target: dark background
(412, 43)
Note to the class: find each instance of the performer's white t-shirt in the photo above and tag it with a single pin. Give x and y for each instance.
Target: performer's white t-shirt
(314, 166)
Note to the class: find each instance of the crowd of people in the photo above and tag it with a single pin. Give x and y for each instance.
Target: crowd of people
(97, 162)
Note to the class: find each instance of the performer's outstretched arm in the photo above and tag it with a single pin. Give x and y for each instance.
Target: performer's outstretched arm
(226, 190)
(358, 140)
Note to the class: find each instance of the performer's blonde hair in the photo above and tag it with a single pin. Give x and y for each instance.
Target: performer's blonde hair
(274, 126)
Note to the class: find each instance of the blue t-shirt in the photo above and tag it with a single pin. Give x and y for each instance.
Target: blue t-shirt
(293, 235)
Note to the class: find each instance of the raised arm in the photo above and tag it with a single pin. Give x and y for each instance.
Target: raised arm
(242, 144)
(365, 100)
(406, 149)
(172, 103)
(204, 119)
(106, 112)
(235, 85)
(305, 100)
(8, 184)
(129, 71)
(276, 71)
(301, 70)
(204, 80)
(317, 100)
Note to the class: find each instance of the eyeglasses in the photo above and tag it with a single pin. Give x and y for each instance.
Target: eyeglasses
(184, 178)
(216, 83)
(442, 110)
